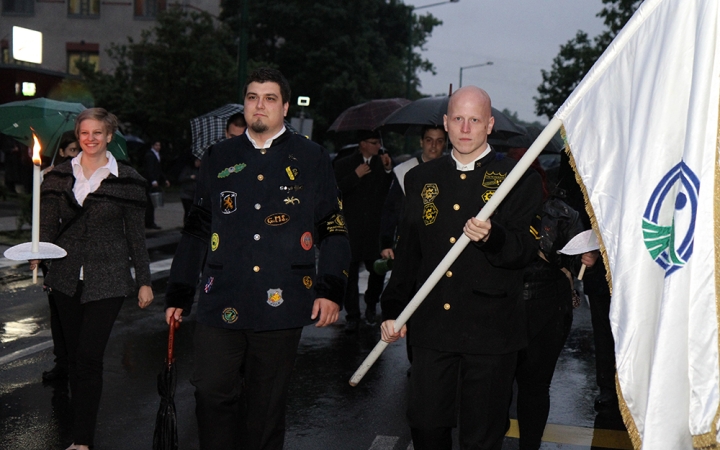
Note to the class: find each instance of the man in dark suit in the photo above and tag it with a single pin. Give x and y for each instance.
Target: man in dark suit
(152, 171)
(466, 334)
(364, 180)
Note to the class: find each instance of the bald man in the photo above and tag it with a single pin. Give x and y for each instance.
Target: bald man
(472, 324)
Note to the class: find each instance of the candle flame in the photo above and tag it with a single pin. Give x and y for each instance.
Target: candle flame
(36, 151)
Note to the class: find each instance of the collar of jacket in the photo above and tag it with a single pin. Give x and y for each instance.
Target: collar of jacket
(480, 163)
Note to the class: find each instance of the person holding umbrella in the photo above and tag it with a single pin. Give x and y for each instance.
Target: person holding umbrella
(93, 208)
(466, 334)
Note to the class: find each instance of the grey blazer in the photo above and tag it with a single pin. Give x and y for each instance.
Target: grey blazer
(107, 238)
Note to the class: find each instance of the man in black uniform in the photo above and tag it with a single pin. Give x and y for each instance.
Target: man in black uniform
(364, 179)
(264, 201)
(472, 324)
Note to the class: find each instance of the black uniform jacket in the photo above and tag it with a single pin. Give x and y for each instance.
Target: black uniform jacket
(477, 307)
(258, 215)
(363, 199)
(105, 236)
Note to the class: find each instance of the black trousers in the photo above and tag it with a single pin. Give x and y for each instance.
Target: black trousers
(86, 328)
(536, 365)
(604, 342)
(59, 345)
(265, 360)
(149, 209)
(484, 385)
(372, 294)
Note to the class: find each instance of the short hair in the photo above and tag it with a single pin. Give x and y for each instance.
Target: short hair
(66, 139)
(108, 119)
(426, 128)
(265, 74)
(237, 119)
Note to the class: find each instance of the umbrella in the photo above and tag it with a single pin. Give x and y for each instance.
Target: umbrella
(555, 146)
(209, 128)
(368, 115)
(165, 436)
(49, 119)
(430, 111)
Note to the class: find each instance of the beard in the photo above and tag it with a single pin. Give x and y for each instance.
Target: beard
(259, 127)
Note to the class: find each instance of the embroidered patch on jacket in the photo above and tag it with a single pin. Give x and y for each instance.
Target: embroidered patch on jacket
(291, 172)
(306, 240)
(492, 180)
(230, 315)
(336, 224)
(214, 241)
(274, 297)
(231, 170)
(487, 195)
(277, 219)
(307, 281)
(228, 202)
(292, 200)
(429, 192)
(209, 284)
(346, 273)
(430, 213)
(295, 187)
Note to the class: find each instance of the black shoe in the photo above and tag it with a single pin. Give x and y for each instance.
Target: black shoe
(607, 400)
(57, 373)
(371, 316)
(352, 326)
(153, 227)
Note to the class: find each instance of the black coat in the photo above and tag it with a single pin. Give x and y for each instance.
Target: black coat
(257, 216)
(107, 238)
(152, 170)
(477, 307)
(363, 200)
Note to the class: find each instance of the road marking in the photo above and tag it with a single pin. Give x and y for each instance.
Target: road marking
(384, 442)
(14, 356)
(582, 436)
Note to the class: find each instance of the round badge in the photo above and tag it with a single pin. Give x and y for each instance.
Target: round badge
(230, 315)
(215, 241)
(306, 240)
(307, 281)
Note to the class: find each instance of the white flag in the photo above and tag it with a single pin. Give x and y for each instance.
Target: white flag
(642, 128)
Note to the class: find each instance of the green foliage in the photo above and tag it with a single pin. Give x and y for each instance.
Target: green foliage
(339, 53)
(180, 69)
(578, 55)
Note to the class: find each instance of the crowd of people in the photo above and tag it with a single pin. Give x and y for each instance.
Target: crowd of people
(275, 235)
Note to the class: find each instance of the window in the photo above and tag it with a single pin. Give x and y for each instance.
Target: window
(83, 7)
(81, 51)
(25, 7)
(149, 8)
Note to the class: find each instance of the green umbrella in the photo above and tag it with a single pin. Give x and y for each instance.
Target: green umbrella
(49, 119)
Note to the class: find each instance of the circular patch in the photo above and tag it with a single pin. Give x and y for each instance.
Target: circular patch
(215, 241)
(230, 315)
(306, 240)
(307, 281)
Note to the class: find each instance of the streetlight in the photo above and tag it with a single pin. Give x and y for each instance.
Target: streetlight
(410, 41)
(489, 63)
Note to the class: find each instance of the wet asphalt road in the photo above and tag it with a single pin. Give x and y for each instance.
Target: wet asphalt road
(324, 412)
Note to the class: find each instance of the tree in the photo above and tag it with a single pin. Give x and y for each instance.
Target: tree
(180, 69)
(339, 53)
(578, 55)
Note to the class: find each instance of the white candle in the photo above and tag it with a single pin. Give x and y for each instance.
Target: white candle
(35, 248)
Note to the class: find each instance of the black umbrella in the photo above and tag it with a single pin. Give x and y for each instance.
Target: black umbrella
(555, 146)
(430, 111)
(368, 115)
(165, 436)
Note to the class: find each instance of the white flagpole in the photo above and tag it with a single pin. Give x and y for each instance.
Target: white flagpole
(503, 190)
